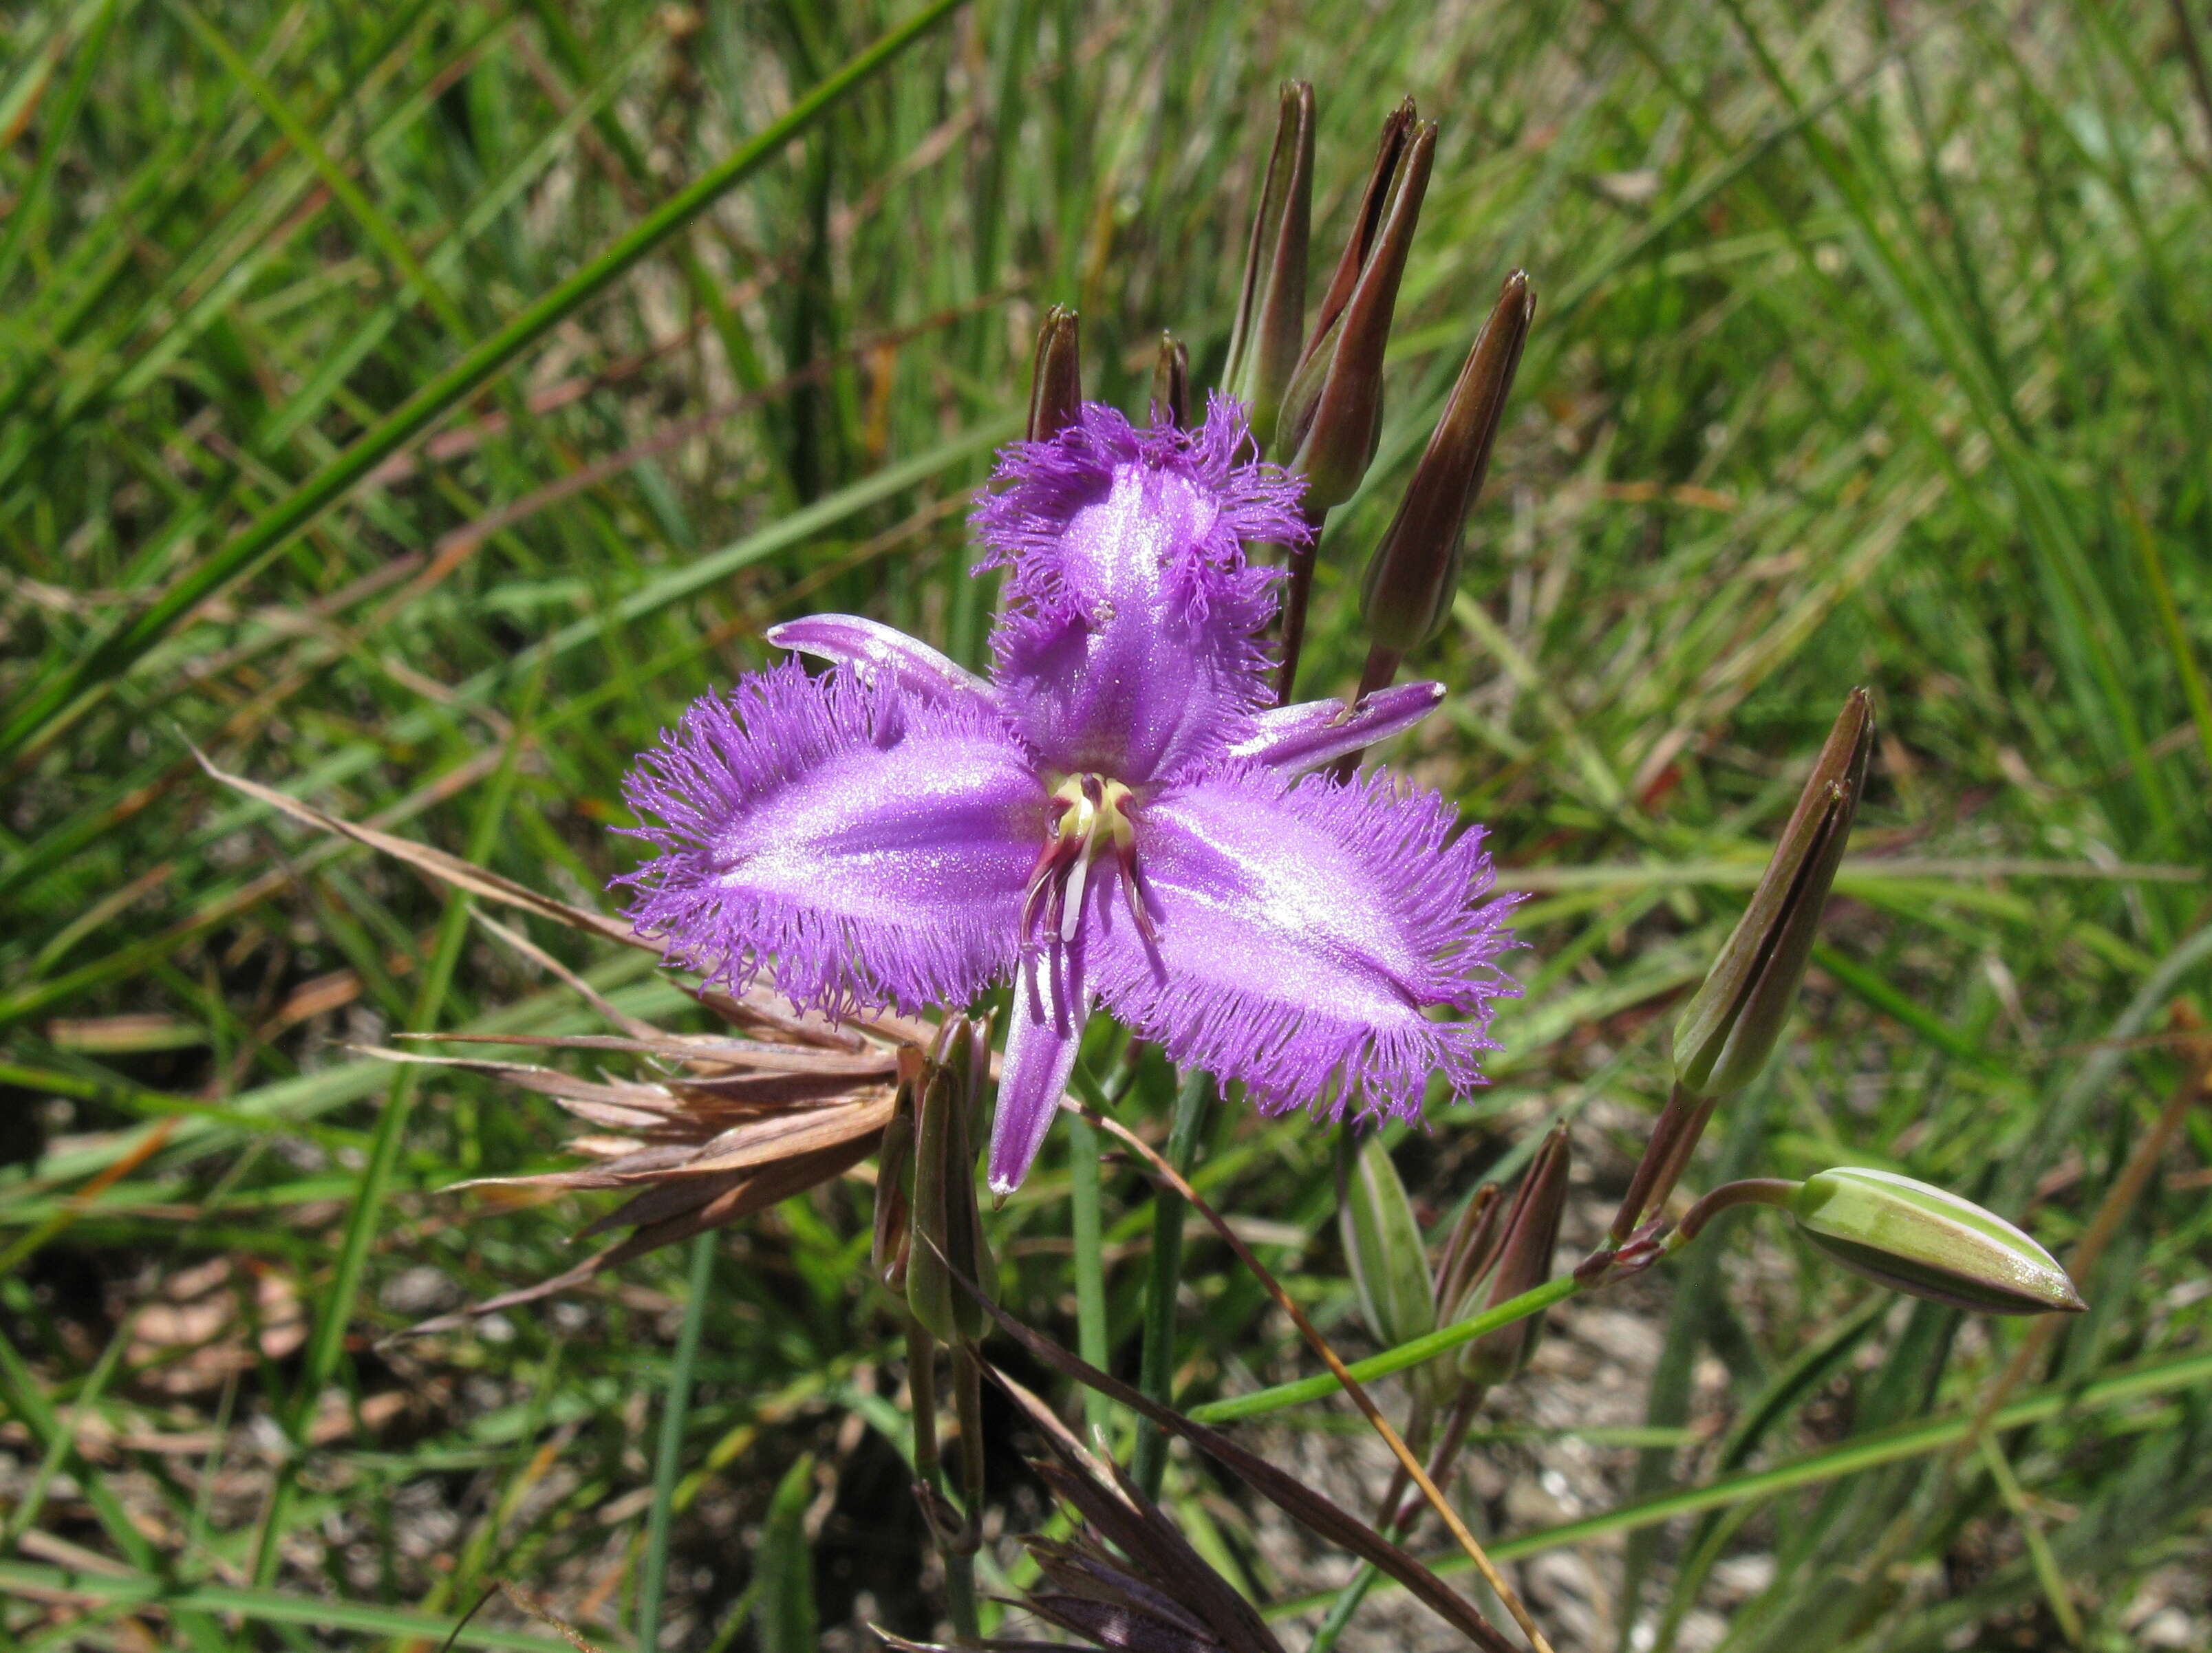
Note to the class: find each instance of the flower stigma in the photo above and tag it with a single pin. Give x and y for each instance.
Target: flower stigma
(1094, 815)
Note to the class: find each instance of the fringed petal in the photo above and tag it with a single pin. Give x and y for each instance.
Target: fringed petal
(871, 648)
(1293, 740)
(1303, 932)
(864, 845)
(1052, 1002)
(1131, 646)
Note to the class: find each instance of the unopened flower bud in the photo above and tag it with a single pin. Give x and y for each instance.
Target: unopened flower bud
(948, 1230)
(1271, 306)
(1919, 1239)
(1332, 414)
(1729, 1030)
(1467, 1254)
(1531, 1234)
(1056, 380)
(1383, 1247)
(894, 1188)
(1414, 572)
(1171, 382)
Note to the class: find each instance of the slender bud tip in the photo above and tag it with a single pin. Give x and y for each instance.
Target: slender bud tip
(1413, 574)
(1056, 377)
(1727, 1032)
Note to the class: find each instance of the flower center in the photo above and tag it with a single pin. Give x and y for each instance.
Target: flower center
(1093, 817)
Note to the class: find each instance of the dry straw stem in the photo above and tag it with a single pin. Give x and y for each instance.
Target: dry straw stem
(1410, 1463)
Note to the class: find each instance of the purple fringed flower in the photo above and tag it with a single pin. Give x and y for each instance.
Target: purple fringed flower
(1116, 815)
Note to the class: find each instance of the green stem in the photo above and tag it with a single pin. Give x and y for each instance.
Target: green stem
(670, 1453)
(1091, 1333)
(1341, 1609)
(1156, 1374)
(929, 1469)
(1261, 1402)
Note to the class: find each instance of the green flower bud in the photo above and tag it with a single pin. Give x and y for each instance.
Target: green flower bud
(1729, 1030)
(947, 1227)
(1921, 1240)
(1382, 1246)
(1271, 307)
(1414, 572)
(1332, 414)
(1056, 379)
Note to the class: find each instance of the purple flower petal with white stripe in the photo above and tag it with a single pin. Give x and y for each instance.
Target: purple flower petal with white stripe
(1301, 932)
(874, 844)
(1115, 816)
(1131, 647)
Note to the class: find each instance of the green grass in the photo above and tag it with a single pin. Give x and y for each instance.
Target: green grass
(414, 406)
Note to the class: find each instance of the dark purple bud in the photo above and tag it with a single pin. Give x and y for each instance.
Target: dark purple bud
(1729, 1030)
(1270, 327)
(1414, 572)
(1171, 382)
(1467, 1254)
(1524, 1263)
(1332, 412)
(1056, 380)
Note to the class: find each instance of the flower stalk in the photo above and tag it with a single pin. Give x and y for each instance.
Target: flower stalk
(1164, 1280)
(1731, 1026)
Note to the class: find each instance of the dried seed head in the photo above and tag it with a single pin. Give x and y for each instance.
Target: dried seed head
(1332, 414)
(1531, 1234)
(1729, 1030)
(729, 1127)
(1919, 1239)
(1382, 1246)
(1056, 379)
(1414, 571)
(1270, 326)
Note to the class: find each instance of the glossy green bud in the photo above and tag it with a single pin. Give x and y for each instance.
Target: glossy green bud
(1333, 412)
(1414, 572)
(1919, 1239)
(1729, 1030)
(1383, 1247)
(1056, 377)
(1271, 306)
(1530, 1235)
